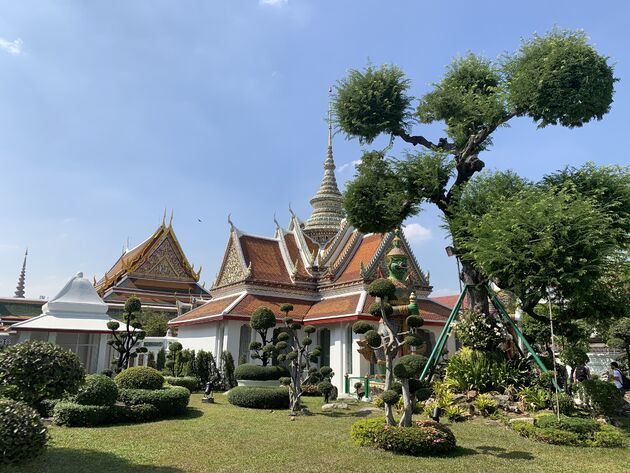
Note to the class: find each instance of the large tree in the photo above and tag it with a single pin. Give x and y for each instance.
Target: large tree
(124, 339)
(557, 79)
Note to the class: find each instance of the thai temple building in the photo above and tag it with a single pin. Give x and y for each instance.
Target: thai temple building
(157, 272)
(322, 266)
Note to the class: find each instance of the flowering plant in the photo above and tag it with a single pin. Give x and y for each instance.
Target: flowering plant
(481, 331)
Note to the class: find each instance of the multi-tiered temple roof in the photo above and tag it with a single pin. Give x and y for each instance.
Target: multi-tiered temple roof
(321, 266)
(156, 271)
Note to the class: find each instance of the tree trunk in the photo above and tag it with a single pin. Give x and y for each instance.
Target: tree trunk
(389, 381)
(475, 280)
(405, 420)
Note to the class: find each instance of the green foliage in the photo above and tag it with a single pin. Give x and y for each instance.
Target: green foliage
(286, 308)
(382, 288)
(22, 432)
(468, 99)
(168, 401)
(414, 340)
(377, 310)
(77, 415)
(325, 387)
(409, 366)
(480, 331)
(560, 79)
(455, 413)
(482, 371)
(570, 431)
(422, 438)
(132, 305)
(390, 397)
(155, 324)
(123, 340)
(361, 327)
(189, 382)
(485, 404)
(139, 377)
(373, 338)
(205, 370)
(564, 401)
(263, 318)
(97, 390)
(534, 398)
(424, 175)
(34, 370)
(602, 397)
(376, 200)
(249, 371)
(227, 370)
(373, 101)
(573, 355)
(415, 321)
(259, 398)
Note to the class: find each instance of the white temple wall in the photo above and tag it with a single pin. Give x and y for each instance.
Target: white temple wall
(199, 337)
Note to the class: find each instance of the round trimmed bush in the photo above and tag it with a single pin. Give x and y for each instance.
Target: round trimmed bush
(382, 288)
(34, 370)
(409, 366)
(189, 382)
(168, 401)
(22, 432)
(250, 371)
(415, 321)
(140, 377)
(259, 398)
(375, 309)
(263, 318)
(422, 438)
(373, 338)
(361, 327)
(390, 397)
(97, 390)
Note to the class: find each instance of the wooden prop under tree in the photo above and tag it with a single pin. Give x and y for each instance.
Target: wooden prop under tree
(438, 349)
(124, 341)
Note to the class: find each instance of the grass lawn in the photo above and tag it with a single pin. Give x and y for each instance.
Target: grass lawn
(223, 438)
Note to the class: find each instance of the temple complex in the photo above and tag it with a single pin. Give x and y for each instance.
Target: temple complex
(157, 272)
(322, 267)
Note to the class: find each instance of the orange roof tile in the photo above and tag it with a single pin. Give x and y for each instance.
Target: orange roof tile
(266, 259)
(363, 254)
(336, 306)
(252, 302)
(449, 300)
(213, 307)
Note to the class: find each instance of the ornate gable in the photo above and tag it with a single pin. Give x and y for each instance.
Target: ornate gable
(233, 268)
(164, 262)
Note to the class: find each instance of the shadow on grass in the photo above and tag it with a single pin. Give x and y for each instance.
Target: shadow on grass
(338, 413)
(500, 452)
(66, 460)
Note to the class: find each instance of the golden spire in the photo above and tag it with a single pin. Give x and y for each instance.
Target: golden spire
(330, 118)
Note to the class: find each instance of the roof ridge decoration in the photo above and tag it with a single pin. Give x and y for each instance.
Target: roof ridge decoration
(324, 222)
(385, 242)
(344, 258)
(233, 267)
(292, 268)
(345, 230)
(307, 257)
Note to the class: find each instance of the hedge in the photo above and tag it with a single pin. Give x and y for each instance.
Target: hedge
(259, 398)
(250, 371)
(22, 432)
(169, 401)
(422, 438)
(189, 382)
(140, 377)
(72, 414)
(570, 431)
(97, 390)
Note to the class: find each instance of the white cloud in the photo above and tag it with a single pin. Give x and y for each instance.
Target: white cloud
(12, 47)
(273, 3)
(343, 167)
(416, 233)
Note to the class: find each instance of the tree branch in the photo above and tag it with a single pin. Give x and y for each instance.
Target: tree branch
(442, 144)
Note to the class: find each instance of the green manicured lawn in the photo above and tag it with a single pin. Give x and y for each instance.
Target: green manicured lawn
(223, 438)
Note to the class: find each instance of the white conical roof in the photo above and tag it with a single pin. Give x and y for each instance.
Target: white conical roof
(77, 307)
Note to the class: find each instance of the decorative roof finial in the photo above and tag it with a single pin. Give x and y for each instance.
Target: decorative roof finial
(19, 290)
(325, 221)
(170, 222)
(164, 218)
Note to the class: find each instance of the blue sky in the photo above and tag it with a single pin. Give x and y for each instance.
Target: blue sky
(112, 111)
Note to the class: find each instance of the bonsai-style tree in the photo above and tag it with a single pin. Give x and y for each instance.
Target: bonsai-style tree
(391, 341)
(125, 340)
(161, 359)
(620, 337)
(556, 79)
(325, 386)
(298, 355)
(261, 321)
(227, 370)
(174, 358)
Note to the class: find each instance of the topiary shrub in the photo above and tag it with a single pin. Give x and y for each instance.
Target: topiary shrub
(71, 414)
(22, 432)
(169, 401)
(570, 431)
(259, 398)
(33, 371)
(250, 371)
(97, 390)
(189, 382)
(422, 438)
(140, 377)
(479, 370)
(601, 397)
